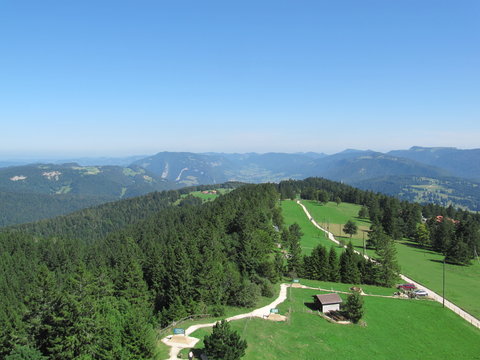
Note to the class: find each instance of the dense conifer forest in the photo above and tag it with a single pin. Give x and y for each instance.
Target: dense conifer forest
(65, 297)
(96, 284)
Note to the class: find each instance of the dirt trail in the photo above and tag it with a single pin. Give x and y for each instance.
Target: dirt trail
(260, 313)
(470, 318)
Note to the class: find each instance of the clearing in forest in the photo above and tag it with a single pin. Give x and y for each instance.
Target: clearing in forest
(395, 329)
(462, 286)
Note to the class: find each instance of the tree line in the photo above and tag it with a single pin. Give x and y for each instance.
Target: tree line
(103, 297)
(455, 233)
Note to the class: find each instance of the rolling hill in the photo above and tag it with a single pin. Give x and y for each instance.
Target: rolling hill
(436, 175)
(459, 162)
(40, 191)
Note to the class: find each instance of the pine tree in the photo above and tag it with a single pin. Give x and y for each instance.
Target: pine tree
(224, 343)
(41, 304)
(388, 268)
(25, 353)
(294, 260)
(354, 307)
(318, 266)
(349, 272)
(333, 266)
(363, 212)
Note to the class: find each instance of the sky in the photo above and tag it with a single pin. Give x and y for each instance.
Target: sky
(117, 78)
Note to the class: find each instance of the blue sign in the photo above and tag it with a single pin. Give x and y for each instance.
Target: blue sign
(179, 331)
(296, 280)
(273, 311)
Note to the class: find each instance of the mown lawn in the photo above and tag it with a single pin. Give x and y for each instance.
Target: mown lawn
(426, 267)
(395, 329)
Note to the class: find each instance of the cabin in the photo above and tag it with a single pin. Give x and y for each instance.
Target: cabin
(328, 302)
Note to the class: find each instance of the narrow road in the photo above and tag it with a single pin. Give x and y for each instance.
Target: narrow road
(462, 313)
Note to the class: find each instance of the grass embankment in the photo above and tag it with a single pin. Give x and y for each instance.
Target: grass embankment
(396, 329)
(425, 266)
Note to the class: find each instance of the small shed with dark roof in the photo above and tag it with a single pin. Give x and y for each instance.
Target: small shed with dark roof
(328, 302)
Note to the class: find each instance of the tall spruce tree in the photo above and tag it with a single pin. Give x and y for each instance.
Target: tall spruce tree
(349, 272)
(333, 266)
(388, 268)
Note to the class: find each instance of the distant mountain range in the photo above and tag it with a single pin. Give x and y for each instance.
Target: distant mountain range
(447, 176)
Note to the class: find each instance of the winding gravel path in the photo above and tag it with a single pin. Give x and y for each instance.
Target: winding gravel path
(462, 313)
(260, 313)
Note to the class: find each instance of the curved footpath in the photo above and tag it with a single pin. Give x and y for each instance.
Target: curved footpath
(462, 313)
(261, 313)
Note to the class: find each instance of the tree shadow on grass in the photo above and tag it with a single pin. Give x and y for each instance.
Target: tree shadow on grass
(447, 262)
(419, 247)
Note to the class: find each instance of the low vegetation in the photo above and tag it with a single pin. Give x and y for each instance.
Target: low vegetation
(393, 328)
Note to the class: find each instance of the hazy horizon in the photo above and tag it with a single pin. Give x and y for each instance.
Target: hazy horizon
(86, 155)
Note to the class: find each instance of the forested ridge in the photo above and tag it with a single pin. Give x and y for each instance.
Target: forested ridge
(67, 298)
(17, 208)
(97, 283)
(96, 222)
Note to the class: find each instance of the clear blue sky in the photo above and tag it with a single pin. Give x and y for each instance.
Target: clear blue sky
(138, 77)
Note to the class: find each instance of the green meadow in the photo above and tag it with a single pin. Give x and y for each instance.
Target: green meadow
(293, 213)
(425, 266)
(209, 197)
(229, 311)
(393, 329)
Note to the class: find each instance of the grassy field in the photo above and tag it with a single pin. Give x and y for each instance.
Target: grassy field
(293, 213)
(395, 329)
(462, 282)
(229, 311)
(333, 217)
(209, 197)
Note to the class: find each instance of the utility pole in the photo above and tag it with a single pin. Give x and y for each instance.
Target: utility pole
(443, 282)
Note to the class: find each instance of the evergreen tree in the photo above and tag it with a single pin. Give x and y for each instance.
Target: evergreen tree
(375, 235)
(349, 272)
(442, 234)
(41, 304)
(333, 266)
(363, 212)
(354, 307)
(458, 253)
(294, 260)
(224, 343)
(323, 196)
(318, 266)
(389, 218)
(25, 353)
(388, 268)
